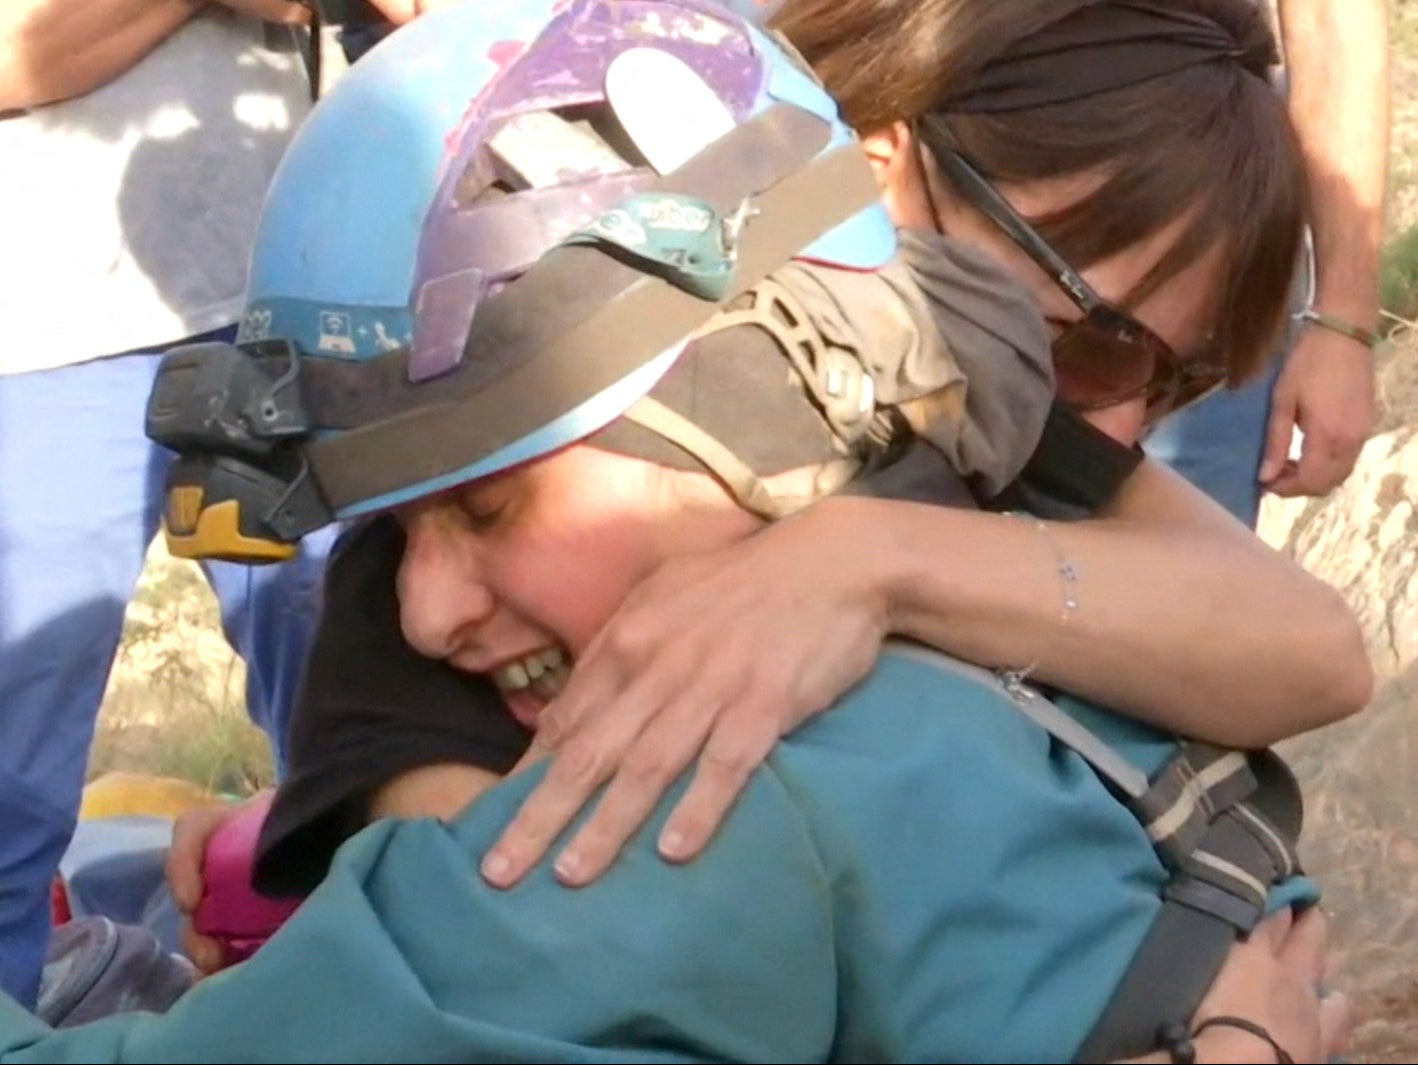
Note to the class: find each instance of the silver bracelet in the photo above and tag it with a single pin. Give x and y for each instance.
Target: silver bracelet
(1335, 324)
(1069, 577)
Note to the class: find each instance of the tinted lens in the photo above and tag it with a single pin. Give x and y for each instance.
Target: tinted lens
(1189, 382)
(1109, 357)
(1099, 362)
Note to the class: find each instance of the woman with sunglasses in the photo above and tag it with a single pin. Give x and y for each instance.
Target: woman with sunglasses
(1047, 134)
(1132, 166)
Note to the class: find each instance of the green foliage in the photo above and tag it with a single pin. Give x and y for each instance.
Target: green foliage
(1398, 275)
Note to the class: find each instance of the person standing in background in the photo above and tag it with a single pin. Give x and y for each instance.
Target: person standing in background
(139, 137)
(1236, 446)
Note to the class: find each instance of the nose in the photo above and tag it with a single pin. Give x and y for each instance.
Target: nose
(1124, 422)
(443, 594)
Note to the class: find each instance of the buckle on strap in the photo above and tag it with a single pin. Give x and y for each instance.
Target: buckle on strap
(1224, 853)
(1198, 783)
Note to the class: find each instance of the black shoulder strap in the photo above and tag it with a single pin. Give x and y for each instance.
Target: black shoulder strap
(1204, 816)
(1224, 823)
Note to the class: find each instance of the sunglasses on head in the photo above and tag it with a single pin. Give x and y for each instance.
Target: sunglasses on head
(1107, 356)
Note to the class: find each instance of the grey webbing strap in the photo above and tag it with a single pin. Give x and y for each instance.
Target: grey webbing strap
(1181, 954)
(1186, 795)
(1218, 891)
(568, 284)
(1166, 980)
(1073, 734)
(1201, 915)
(644, 319)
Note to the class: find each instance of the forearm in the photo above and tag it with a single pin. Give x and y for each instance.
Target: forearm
(53, 50)
(1182, 618)
(441, 791)
(1338, 72)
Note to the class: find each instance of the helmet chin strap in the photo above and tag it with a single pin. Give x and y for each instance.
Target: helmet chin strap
(747, 488)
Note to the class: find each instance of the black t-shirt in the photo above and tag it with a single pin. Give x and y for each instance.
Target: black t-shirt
(371, 708)
(1074, 470)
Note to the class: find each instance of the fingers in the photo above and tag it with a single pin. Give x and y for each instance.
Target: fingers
(584, 761)
(205, 953)
(1324, 464)
(1274, 932)
(1306, 947)
(731, 753)
(183, 866)
(648, 769)
(1327, 391)
(1279, 433)
(1336, 1020)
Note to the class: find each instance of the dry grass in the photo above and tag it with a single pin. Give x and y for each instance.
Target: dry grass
(175, 703)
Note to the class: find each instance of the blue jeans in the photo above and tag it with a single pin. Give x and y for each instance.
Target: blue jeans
(81, 491)
(1218, 444)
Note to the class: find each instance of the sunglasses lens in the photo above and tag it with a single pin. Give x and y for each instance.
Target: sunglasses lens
(1097, 367)
(1199, 381)
(1110, 358)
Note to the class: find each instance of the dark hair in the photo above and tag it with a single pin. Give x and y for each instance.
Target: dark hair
(1210, 142)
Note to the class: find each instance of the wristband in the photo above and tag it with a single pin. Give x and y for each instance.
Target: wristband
(1179, 1043)
(1310, 316)
(1282, 1057)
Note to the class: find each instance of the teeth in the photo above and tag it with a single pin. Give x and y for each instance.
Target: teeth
(550, 683)
(544, 664)
(512, 676)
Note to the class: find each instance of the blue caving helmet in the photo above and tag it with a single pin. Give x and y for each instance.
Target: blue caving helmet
(478, 199)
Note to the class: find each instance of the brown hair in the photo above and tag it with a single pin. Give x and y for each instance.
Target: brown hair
(1210, 141)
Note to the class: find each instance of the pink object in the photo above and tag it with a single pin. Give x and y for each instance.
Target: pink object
(232, 911)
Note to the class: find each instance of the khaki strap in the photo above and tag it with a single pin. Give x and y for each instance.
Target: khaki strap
(743, 484)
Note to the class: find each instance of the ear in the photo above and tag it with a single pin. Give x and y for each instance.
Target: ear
(886, 148)
(891, 151)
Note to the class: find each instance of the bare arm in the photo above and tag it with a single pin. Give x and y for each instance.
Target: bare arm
(1338, 69)
(56, 49)
(53, 50)
(1183, 617)
(1337, 55)
(440, 791)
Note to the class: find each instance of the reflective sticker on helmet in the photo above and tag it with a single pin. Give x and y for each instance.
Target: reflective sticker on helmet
(669, 111)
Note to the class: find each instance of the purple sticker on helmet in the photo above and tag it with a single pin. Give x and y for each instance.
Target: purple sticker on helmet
(564, 67)
(443, 312)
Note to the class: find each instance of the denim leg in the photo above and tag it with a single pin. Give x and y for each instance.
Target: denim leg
(1218, 444)
(75, 521)
(269, 615)
(81, 490)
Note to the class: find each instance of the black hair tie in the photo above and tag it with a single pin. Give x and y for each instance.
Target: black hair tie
(1180, 1043)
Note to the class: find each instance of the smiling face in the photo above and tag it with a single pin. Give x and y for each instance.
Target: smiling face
(515, 575)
